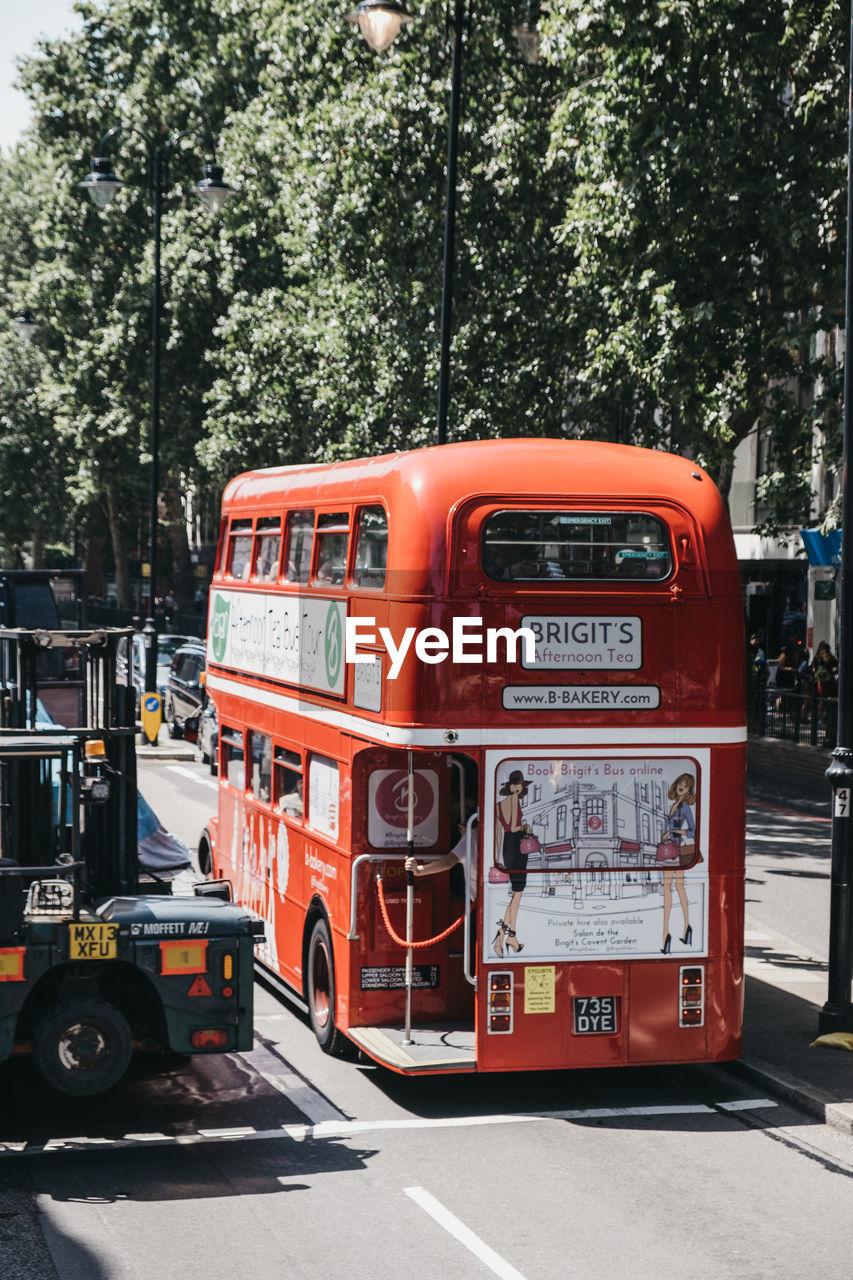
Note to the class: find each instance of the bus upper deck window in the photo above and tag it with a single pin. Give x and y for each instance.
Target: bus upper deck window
(520, 546)
(267, 548)
(239, 549)
(371, 548)
(332, 548)
(300, 540)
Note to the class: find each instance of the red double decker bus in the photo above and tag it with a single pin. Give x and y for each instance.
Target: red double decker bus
(526, 651)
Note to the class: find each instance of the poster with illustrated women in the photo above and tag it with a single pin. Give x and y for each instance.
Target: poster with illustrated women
(595, 856)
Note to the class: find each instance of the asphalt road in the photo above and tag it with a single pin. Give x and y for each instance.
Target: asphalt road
(286, 1162)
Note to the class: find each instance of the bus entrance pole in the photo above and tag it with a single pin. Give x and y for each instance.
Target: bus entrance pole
(410, 901)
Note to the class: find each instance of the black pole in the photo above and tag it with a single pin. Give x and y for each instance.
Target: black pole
(151, 620)
(837, 1013)
(450, 223)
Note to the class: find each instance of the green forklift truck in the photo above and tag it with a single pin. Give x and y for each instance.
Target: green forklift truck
(97, 957)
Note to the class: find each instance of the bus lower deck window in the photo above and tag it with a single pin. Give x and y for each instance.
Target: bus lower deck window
(260, 751)
(534, 545)
(287, 780)
(233, 758)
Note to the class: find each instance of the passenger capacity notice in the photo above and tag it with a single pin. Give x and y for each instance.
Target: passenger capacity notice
(580, 697)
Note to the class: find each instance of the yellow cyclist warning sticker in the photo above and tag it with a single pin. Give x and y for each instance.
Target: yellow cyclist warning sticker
(92, 941)
(539, 984)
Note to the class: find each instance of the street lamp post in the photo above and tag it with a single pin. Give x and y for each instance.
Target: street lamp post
(837, 1012)
(102, 185)
(380, 23)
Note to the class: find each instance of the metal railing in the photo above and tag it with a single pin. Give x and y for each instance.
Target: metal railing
(793, 716)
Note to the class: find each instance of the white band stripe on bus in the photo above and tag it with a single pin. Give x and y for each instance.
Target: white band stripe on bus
(478, 735)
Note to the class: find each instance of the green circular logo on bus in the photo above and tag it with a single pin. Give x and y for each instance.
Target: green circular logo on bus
(219, 627)
(334, 647)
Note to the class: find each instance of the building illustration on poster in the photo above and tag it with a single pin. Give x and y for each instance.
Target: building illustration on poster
(597, 856)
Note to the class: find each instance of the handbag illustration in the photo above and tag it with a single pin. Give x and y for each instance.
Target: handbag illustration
(530, 844)
(497, 876)
(668, 854)
(687, 855)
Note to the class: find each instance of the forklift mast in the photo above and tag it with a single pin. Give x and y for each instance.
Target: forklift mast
(82, 666)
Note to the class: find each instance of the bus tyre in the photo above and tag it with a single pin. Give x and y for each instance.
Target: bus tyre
(321, 989)
(82, 1047)
(205, 860)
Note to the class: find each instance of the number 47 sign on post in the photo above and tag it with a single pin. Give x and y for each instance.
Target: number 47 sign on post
(842, 803)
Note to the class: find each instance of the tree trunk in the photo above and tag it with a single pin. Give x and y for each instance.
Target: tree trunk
(38, 545)
(119, 544)
(181, 582)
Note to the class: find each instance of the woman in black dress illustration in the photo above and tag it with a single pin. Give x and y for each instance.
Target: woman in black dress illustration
(512, 827)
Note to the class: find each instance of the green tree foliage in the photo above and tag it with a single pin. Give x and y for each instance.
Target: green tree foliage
(649, 236)
(701, 151)
(330, 346)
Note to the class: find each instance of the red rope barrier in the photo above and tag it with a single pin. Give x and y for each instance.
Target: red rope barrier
(401, 942)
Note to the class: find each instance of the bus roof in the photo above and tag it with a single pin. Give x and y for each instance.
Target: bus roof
(442, 476)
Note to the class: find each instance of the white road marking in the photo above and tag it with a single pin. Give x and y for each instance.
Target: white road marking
(191, 773)
(342, 1128)
(463, 1234)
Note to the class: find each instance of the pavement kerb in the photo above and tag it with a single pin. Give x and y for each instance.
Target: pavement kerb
(167, 751)
(839, 1115)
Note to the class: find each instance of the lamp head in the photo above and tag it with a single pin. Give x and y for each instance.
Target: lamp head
(211, 190)
(101, 184)
(380, 22)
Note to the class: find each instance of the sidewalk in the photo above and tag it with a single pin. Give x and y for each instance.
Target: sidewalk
(785, 991)
(786, 987)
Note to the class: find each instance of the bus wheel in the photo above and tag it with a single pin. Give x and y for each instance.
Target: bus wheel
(83, 1047)
(321, 989)
(205, 860)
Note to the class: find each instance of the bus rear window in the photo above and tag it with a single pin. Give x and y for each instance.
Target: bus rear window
(520, 546)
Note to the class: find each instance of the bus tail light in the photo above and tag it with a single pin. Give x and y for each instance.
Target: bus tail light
(691, 1008)
(228, 966)
(500, 1003)
(214, 1038)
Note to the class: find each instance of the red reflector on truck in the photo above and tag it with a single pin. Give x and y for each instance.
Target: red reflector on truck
(212, 1039)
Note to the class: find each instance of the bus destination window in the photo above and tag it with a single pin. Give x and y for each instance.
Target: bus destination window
(520, 546)
(300, 541)
(371, 548)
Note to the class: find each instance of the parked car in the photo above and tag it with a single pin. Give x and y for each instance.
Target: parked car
(208, 734)
(167, 645)
(185, 692)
